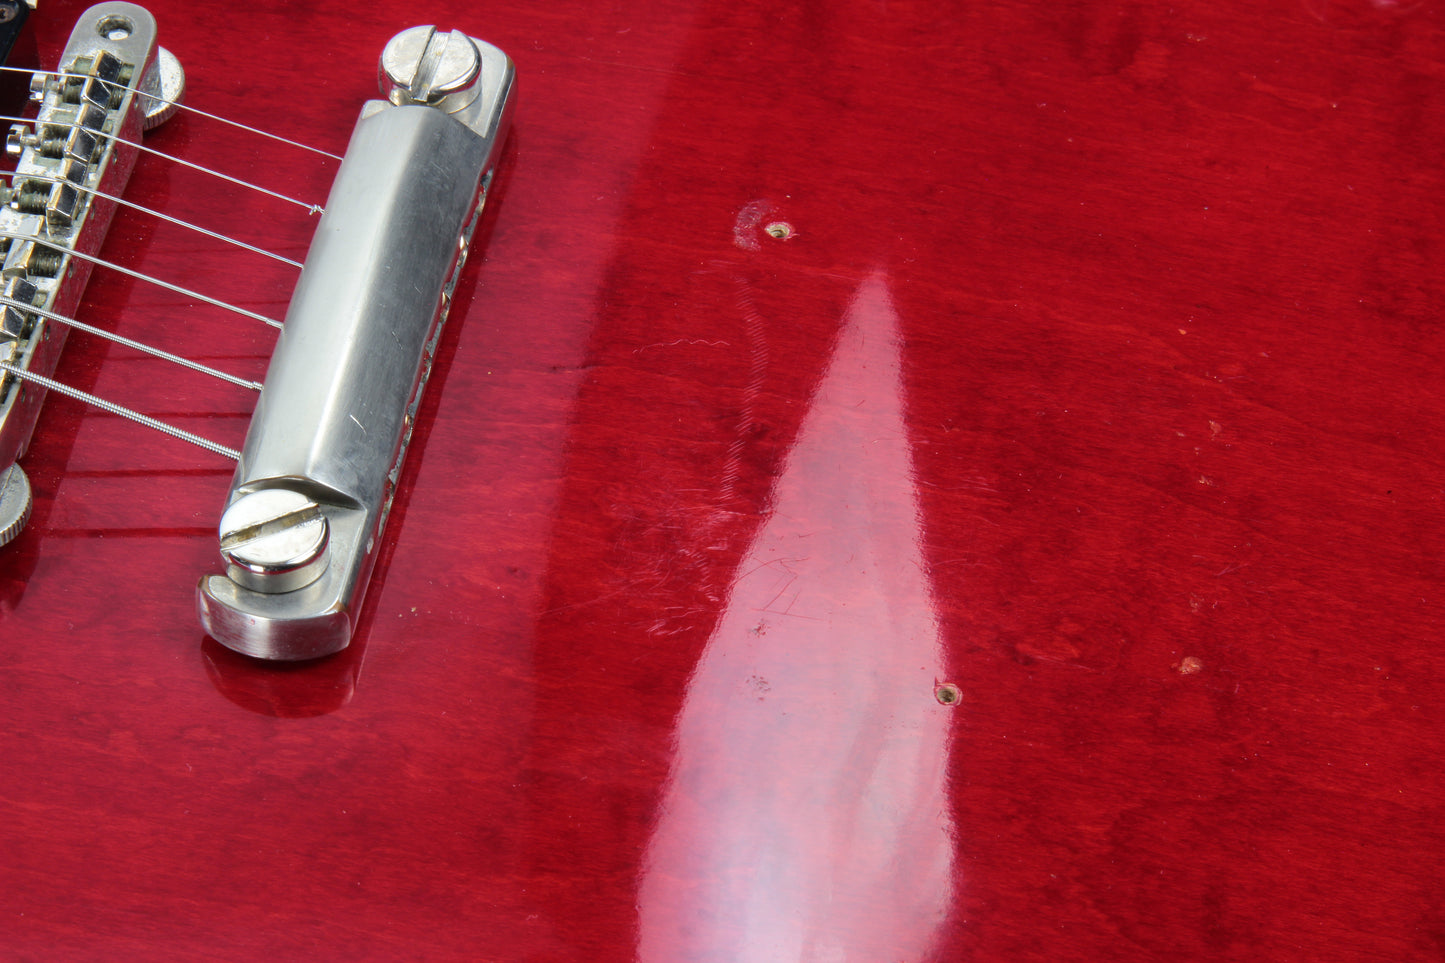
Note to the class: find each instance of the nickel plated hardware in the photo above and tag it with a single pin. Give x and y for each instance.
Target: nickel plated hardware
(316, 476)
(320, 464)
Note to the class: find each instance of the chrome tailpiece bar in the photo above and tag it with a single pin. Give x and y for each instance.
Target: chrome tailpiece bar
(319, 467)
(71, 161)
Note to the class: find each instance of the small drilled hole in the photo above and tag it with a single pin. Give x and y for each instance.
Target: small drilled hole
(781, 230)
(1188, 666)
(948, 694)
(115, 28)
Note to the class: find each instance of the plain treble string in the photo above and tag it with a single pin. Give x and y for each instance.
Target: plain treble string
(151, 279)
(26, 307)
(180, 106)
(164, 217)
(8, 304)
(115, 138)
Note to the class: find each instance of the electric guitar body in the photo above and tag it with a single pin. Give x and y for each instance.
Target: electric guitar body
(896, 482)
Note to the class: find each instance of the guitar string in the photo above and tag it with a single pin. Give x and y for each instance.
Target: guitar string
(105, 404)
(28, 308)
(120, 410)
(178, 289)
(181, 106)
(165, 217)
(74, 125)
(310, 208)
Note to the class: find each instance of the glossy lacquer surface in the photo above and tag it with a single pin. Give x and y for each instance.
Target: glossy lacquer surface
(901, 482)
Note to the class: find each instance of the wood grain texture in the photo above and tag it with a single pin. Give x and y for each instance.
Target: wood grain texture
(1082, 356)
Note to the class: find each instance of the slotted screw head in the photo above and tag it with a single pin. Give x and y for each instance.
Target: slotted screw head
(274, 540)
(425, 66)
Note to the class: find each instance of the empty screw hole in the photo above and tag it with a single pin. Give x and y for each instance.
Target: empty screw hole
(115, 28)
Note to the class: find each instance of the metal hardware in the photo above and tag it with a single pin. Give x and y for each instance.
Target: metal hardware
(421, 66)
(60, 200)
(163, 87)
(15, 502)
(274, 540)
(335, 415)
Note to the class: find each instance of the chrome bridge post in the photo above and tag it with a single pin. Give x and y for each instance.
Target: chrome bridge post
(319, 467)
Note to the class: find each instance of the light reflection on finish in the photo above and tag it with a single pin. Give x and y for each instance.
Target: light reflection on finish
(806, 815)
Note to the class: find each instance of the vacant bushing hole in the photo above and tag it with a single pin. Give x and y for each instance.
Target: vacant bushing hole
(115, 27)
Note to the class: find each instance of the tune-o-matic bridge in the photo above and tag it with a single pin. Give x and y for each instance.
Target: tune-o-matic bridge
(315, 478)
(71, 163)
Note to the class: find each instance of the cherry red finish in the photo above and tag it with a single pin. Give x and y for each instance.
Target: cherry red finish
(1081, 360)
